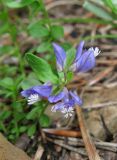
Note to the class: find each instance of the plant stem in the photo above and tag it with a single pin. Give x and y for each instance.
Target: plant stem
(83, 20)
(45, 13)
(99, 36)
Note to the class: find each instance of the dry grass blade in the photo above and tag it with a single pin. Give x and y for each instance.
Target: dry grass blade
(107, 62)
(101, 75)
(101, 105)
(90, 147)
(62, 2)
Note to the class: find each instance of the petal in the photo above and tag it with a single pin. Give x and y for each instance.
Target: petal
(43, 90)
(60, 56)
(56, 98)
(68, 103)
(79, 50)
(33, 98)
(86, 62)
(26, 93)
(66, 115)
(76, 98)
(58, 106)
(66, 97)
(95, 50)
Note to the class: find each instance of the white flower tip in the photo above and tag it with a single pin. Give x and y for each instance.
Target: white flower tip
(67, 112)
(96, 51)
(33, 98)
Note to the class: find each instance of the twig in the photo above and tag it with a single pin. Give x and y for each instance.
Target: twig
(79, 150)
(76, 142)
(111, 85)
(101, 105)
(105, 145)
(40, 149)
(100, 76)
(90, 147)
(39, 153)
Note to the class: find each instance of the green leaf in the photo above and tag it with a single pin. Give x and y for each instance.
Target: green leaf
(18, 107)
(14, 130)
(57, 32)
(11, 137)
(70, 57)
(32, 114)
(18, 4)
(4, 115)
(69, 76)
(37, 30)
(66, 46)
(7, 83)
(45, 46)
(31, 130)
(61, 77)
(2, 127)
(41, 68)
(44, 120)
(19, 116)
(22, 129)
(97, 10)
(112, 5)
(29, 82)
(35, 112)
(35, 7)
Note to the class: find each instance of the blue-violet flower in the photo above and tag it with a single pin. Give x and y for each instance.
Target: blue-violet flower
(60, 56)
(65, 100)
(84, 59)
(36, 93)
(66, 103)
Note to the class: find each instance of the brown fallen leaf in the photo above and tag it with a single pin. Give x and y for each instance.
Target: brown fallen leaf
(63, 132)
(10, 152)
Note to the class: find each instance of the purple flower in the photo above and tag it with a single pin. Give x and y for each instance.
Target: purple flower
(76, 98)
(60, 56)
(85, 59)
(56, 98)
(66, 103)
(35, 93)
(79, 50)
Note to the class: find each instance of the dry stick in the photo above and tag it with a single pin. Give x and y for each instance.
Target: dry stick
(79, 143)
(39, 153)
(101, 105)
(90, 147)
(79, 150)
(40, 149)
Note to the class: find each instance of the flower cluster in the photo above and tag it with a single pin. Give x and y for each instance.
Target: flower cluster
(65, 100)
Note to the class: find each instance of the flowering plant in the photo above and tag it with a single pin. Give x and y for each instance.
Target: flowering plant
(54, 89)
